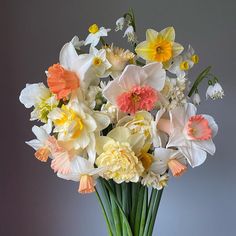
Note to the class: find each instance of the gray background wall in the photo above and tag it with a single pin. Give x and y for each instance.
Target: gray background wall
(33, 201)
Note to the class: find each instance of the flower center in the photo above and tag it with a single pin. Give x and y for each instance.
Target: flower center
(97, 61)
(198, 128)
(176, 168)
(195, 58)
(184, 65)
(163, 50)
(70, 117)
(86, 184)
(93, 29)
(61, 82)
(146, 159)
(138, 98)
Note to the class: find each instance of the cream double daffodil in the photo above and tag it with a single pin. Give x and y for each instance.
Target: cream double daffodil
(159, 46)
(76, 123)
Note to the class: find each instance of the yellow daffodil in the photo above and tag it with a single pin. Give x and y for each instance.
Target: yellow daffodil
(159, 46)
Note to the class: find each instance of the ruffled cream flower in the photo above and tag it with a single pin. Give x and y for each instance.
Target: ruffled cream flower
(118, 58)
(154, 180)
(140, 123)
(119, 152)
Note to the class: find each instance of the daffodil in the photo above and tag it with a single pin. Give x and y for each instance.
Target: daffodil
(159, 46)
(139, 123)
(191, 56)
(95, 34)
(168, 159)
(39, 97)
(43, 142)
(137, 88)
(192, 134)
(154, 180)
(76, 123)
(119, 152)
(100, 64)
(118, 58)
(83, 171)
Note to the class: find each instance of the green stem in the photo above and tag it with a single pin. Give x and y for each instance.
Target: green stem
(150, 210)
(104, 213)
(124, 189)
(154, 213)
(134, 196)
(113, 197)
(144, 212)
(198, 80)
(139, 211)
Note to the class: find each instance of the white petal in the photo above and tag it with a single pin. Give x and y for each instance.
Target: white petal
(131, 76)
(137, 142)
(112, 91)
(195, 157)
(33, 94)
(119, 134)
(35, 144)
(156, 75)
(40, 133)
(102, 120)
(206, 145)
(212, 124)
(68, 56)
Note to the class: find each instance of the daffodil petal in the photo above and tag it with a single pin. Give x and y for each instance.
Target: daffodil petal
(176, 49)
(168, 33)
(151, 35)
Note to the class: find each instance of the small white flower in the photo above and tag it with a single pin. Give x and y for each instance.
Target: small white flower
(120, 24)
(154, 180)
(100, 64)
(95, 34)
(196, 99)
(215, 91)
(77, 43)
(130, 34)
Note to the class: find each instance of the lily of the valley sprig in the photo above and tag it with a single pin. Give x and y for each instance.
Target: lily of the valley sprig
(122, 116)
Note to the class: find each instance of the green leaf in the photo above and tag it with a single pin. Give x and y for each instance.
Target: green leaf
(134, 195)
(104, 213)
(114, 198)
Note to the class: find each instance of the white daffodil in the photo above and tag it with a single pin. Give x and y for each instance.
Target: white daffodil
(120, 24)
(39, 96)
(154, 180)
(190, 55)
(192, 134)
(165, 159)
(215, 91)
(77, 43)
(196, 99)
(180, 66)
(43, 143)
(137, 88)
(95, 34)
(76, 123)
(83, 171)
(119, 153)
(100, 64)
(130, 34)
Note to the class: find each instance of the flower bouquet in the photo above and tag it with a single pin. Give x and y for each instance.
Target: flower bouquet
(121, 121)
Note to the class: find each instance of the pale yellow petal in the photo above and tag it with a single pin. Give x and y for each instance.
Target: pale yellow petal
(177, 49)
(144, 50)
(100, 142)
(136, 141)
(168, 33)
(119, 134)
(151, 35)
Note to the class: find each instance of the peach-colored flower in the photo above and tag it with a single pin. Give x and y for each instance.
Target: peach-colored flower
(61, 81)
